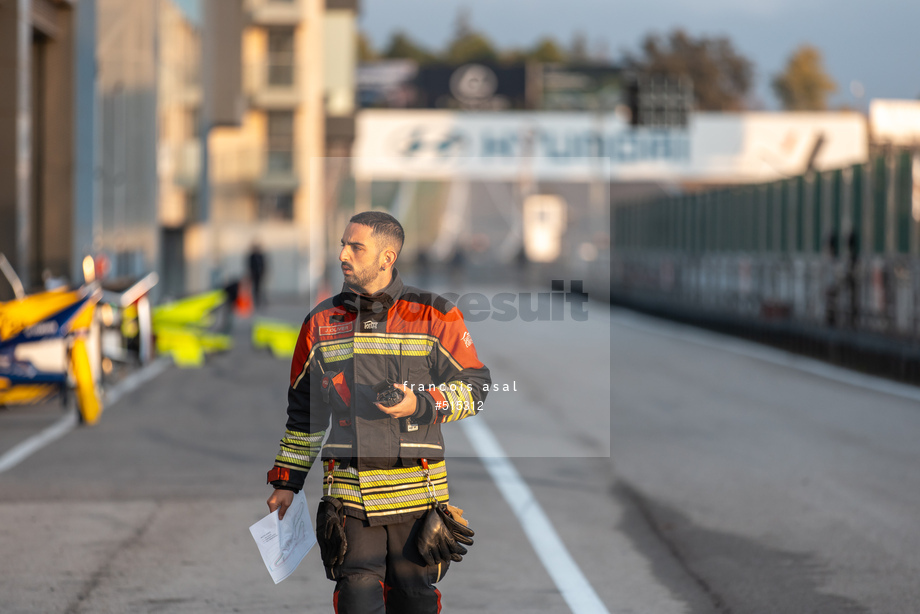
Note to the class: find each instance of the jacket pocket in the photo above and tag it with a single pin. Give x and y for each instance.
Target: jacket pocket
(335, 390)
(416, 450)
(338, 451)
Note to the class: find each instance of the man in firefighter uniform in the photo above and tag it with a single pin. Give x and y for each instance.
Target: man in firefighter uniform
(384, 469)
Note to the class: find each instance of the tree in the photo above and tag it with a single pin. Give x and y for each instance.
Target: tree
(467, 44)
(578, 52)
(546, 50)
(366, 51)
(721, 76)
(804, 85)
(401, 46)
(514, 55)
(472, 48)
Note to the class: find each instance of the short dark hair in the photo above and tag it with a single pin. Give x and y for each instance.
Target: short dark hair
(382, 225)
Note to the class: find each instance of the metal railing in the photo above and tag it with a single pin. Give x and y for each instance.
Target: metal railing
(835, 250)
(272, 85)
(246, 164)
(273, 12)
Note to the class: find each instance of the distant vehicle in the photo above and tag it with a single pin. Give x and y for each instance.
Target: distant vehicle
(544, 227)
(49, 346)
(125, 314)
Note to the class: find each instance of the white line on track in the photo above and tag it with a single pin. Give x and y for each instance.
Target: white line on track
(24, 449)
(749, 349)
(30, 446)
(136, 379)
(578, 593)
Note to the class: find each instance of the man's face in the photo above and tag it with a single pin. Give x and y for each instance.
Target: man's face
(361, 259)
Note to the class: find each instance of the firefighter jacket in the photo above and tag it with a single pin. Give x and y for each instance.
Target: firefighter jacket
(348, 344)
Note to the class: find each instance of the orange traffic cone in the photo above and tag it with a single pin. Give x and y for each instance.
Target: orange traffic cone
(244, 300)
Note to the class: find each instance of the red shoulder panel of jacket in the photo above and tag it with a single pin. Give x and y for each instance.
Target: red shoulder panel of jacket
(456, 339)
(322, 325)
(418, 318)
(409, 317)
(301, 351)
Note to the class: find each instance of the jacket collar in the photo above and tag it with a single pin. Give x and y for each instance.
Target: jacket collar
(381, 301)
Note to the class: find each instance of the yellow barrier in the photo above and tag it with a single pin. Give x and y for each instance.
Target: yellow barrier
(181, 331)
(196, 310)
(279, 337)
(87, 399)
(181, 345)
(188, 346)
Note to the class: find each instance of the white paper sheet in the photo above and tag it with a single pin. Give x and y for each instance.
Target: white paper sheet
(284, 543)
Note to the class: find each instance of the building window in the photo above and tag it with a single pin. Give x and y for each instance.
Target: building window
(281, 57)
(192, 123)
(192, 208)
(280, 141)
(276, 207)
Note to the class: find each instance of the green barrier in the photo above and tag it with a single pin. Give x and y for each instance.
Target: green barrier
(795, 215)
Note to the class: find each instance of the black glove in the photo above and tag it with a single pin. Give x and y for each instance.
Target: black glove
(330, 531)
(461, 532)
(437, 541)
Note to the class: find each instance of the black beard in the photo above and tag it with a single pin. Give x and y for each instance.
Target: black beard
(360, 280)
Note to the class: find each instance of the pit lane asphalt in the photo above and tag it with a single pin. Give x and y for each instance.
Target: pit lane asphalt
(680, 477)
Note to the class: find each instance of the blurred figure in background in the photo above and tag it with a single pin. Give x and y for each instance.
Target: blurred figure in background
(257, 268)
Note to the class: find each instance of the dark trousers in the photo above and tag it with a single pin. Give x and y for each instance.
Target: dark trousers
(256, 290)
(383, 572)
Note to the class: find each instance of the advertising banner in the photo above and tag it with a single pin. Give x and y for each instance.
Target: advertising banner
(715, 147)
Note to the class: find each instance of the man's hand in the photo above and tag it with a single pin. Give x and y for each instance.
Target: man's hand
(280, 500)
(404, 408)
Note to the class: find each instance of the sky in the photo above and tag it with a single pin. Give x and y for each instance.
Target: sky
(876, 43)
(192, 8)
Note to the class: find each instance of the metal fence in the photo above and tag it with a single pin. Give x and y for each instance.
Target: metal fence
(839, 249)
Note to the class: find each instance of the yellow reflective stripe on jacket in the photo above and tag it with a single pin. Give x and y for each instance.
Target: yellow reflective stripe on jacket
(461, 401)
(345, 486)
(384, 492)
(337, 351)
(393, 344)
(299, 450)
